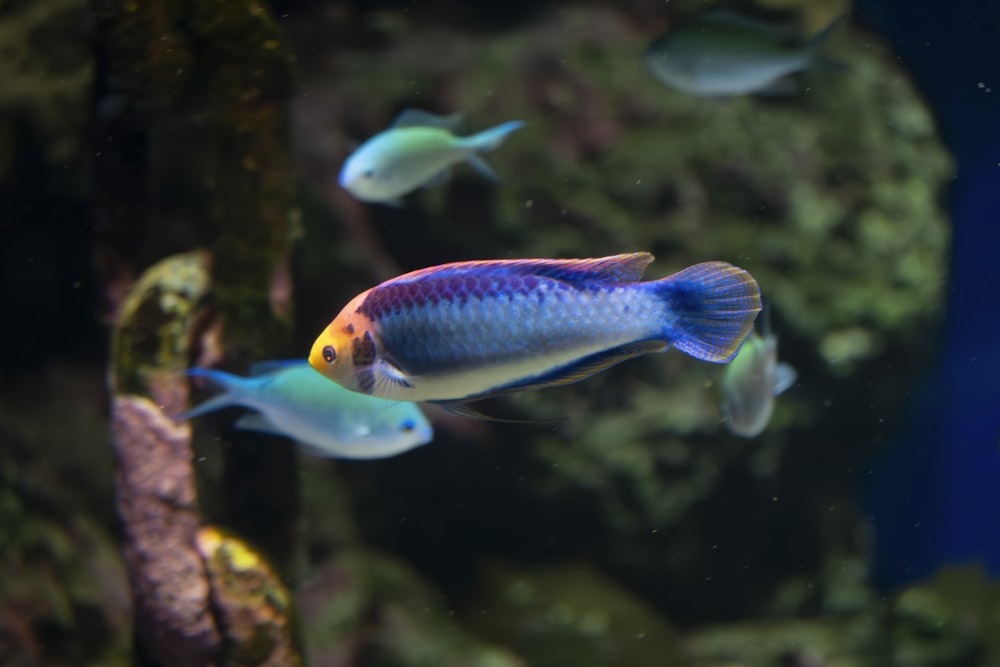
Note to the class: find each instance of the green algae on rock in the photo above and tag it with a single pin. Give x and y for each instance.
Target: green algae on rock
(569, 614)
(365, 607)
(252, 605)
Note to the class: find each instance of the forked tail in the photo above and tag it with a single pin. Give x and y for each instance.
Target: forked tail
(231, 386)
(490, 139)
(711, 309)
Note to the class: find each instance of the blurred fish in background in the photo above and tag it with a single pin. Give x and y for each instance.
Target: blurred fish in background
(293, 400)
(723, 53)
(418, 150)
(751, 382)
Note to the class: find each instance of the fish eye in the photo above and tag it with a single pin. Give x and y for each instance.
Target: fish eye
(368, 173)
(329, 354)
(409, 426)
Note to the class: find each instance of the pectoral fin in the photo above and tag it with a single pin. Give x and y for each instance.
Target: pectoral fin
(438, 179)
(784, 377)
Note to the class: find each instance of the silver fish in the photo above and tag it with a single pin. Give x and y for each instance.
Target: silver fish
(418, 150)
(751, 382)
(722, 53)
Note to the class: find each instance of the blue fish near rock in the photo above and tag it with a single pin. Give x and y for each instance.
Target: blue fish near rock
(293, 400)
(418, 150)
(722, 53)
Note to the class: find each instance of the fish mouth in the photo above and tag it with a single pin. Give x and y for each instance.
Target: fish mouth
(316, 359)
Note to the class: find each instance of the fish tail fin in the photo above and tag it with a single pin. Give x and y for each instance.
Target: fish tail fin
(232, 387)
(817, 41)
(710, 309)
(490, 139)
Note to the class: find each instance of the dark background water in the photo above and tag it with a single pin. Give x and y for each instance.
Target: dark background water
(935, 491)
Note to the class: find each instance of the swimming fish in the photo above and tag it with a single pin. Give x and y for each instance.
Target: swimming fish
(293, 400)
(723, 53)
(750, 383)
(418, 150)
(469, 330)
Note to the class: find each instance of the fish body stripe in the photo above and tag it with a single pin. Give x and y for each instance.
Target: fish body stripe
(444, 326)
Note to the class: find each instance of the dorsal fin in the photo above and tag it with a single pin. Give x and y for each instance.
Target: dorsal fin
(273, 366)
(624, 268)
(418, 118)
(777, 31)
(615, 268)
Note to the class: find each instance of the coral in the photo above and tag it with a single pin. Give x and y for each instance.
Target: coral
(364, 607)
(568, 613)
(251, 604)
(156, 499)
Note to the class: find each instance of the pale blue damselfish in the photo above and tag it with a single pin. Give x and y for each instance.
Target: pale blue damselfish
(418, 150)
(293, 400)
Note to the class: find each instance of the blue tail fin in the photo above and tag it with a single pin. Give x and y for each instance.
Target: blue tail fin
(712, 307)
(490, 139)
(232, 387)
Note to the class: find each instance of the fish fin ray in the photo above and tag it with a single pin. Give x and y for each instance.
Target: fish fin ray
(220, 402)
(819, 39)
(438, 179)
(711, 309)
(776, 31)
(489, 140)
(479, 164)
(420, 118)
(784, 377)
(623, 268)
(229, 384)
(388, 379)
(462, 409)
(627, 267)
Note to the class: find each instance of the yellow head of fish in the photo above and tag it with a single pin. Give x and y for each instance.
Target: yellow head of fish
(345, 347)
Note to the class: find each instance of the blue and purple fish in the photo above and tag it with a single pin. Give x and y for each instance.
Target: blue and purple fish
(469, 330)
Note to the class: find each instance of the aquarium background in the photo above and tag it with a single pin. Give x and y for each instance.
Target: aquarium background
(169, 198)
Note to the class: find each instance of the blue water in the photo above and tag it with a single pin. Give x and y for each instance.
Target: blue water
(935, 492)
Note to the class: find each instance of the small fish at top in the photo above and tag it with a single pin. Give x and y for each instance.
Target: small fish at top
(722, 53)
(751, 382)
(470, 330)
(418, 150)
(293, 400)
